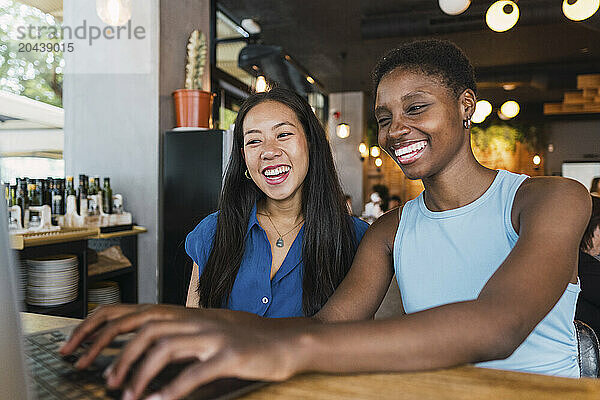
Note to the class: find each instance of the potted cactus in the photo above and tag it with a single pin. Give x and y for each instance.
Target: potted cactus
(192, 104)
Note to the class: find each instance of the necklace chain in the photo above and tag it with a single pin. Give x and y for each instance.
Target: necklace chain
(280, 240)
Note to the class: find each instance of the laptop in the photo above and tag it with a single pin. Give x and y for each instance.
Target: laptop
(31, 366)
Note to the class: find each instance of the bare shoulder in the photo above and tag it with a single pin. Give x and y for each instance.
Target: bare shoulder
(383, 230)
(552, 193)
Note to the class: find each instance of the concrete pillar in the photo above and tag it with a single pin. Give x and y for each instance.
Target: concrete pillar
(345, 151)
(117, 101)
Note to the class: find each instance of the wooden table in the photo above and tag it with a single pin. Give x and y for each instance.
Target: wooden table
(455, 383)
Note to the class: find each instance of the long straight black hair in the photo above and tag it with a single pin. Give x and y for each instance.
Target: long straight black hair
(329, 239)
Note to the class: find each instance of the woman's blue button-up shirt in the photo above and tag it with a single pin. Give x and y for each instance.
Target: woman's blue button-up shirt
(253, 290)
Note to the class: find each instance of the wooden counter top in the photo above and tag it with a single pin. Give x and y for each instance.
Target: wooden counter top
(19, 242)
(135, 231)
(462, 383)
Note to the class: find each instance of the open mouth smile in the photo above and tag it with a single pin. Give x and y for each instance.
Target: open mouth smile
(276, 174)
(410, 152)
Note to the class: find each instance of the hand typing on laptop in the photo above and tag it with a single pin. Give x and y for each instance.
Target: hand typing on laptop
(219, 343)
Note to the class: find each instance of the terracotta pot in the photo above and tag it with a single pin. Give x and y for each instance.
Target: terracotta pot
(193, 107)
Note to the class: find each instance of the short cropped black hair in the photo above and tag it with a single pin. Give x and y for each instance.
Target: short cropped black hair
(437, 58)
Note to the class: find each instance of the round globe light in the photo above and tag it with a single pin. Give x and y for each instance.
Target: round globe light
(261, 84)
(342, 130)
(510, 109)
(537, 159)
(114, 12)
(364, 150)
(580, 9)
(502, 15)
(375, 152)
(454, 7)
(483, 108)
(378, 162)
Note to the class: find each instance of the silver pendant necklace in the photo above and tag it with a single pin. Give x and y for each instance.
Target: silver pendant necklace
(279, 242)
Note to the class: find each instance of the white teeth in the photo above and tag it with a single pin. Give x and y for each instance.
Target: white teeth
(410, 148)
(277, 171)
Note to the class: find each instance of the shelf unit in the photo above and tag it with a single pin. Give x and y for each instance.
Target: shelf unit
(77, 241)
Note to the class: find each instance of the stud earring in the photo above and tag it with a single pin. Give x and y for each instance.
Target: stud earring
(247, 175)
(467, 123)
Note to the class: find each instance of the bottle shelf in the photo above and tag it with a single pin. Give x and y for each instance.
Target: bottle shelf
(109, 274)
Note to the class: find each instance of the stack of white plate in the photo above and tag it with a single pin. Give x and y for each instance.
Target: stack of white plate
(52, 281)
(102, 293)
(22, 277)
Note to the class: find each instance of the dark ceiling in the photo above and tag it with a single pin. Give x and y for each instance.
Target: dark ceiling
(541, 55)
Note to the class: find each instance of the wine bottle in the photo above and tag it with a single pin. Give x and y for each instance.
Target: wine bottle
(57, 201)
(82, 206)
(22, 200)
(107, 202)
(13, 194)
(36, 193)
(70, 189)
(92, 197)
(7, 194)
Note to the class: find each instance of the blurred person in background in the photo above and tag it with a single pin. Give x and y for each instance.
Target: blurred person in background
(588, 305)
(594, 189)
(395, 202)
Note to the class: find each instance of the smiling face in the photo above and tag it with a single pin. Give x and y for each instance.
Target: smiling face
(275, 149)
(421, 122)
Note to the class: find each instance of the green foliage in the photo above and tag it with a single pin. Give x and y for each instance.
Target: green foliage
(507, 135)
(35, 74)
(372, 130)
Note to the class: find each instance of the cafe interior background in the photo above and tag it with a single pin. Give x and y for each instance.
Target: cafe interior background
(106, 107)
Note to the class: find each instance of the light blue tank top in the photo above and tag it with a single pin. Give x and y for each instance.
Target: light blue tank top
(448, 256)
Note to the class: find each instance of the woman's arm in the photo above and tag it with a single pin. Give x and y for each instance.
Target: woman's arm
(360, 294)
(193, 300)
(552, 214)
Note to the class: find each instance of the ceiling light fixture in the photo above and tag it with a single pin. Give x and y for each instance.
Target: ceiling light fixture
(375, 151)
(310, 80)
(454, 7)
(342, 130)
(483, 108)
(261, 84)
(502, 15)
(578, 10)
(114, 12)
(251, 26)
(378, 162)
(537, 159)
(510, 109)
(363, 150)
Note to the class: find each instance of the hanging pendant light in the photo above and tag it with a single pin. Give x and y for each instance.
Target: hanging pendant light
(483, 108)
(454, 7)
(261, 84)
(342, 130)
(375, 152)
(580, 10)
(114, 12)
(502, 15)
(363, 150)
(510, 109)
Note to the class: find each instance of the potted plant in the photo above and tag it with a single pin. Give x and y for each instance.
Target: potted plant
(192, 104)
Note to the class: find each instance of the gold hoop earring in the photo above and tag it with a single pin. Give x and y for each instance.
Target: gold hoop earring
(247, 175)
